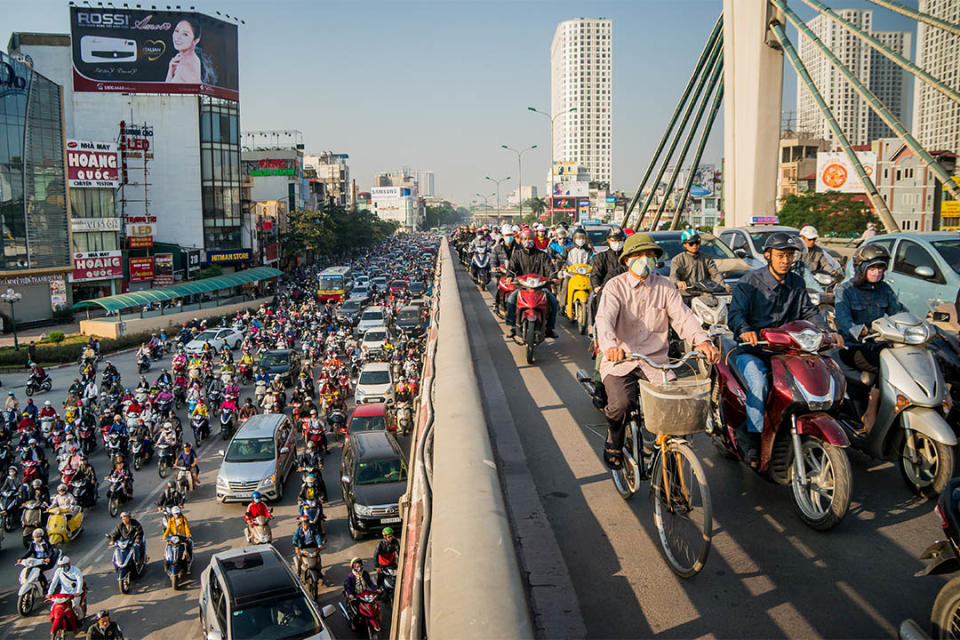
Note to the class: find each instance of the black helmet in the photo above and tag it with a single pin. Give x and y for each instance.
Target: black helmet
(616, 233)
(781, 240)
(580, 231)
(867, 256)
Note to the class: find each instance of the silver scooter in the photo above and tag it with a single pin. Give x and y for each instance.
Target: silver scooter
(910, 426)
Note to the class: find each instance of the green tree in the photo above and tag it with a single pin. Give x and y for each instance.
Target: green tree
(830, 212)
(537, 206)
(444, 213)
(334, 230)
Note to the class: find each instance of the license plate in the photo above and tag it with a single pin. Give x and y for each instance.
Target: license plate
(390, 520)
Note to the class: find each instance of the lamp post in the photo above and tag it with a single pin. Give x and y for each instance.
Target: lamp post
(485, 203)
(12, 297)
(519, 153)
(552, 119)
(498, 192)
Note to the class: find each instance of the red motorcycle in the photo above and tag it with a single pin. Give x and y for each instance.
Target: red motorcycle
(344, 384)
(504, 289)
(66, 614)
(801, 444)
(246, 373)
(314, 434)
(364, 613)
(531, 311)
(31, 471)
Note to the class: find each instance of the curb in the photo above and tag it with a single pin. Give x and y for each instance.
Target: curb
(5, 371)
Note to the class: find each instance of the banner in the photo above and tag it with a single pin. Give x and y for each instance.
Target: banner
(271, 253)
(228, 257)
(193, 259)
(97, 265)
(94, 224)
(163, 269)
(58, 294)
(141, 51)
(835, 173)
(565, 204)
(141, 242)
(269, 167)
(92, 164)
(141, 269)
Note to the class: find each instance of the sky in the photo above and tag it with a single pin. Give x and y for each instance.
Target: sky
(442, 84)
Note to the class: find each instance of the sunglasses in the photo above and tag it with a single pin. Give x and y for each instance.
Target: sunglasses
(693, 243)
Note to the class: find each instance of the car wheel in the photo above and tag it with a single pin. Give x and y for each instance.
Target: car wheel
(354, 531)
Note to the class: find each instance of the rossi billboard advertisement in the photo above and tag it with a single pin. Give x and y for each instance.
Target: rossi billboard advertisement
(140, 51)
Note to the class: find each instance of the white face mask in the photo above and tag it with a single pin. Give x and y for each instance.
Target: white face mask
(580, 242)
(508, 239)
(615, 246)
(642, 267)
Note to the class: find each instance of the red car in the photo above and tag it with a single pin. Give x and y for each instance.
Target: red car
(398, 286)
(369, 417)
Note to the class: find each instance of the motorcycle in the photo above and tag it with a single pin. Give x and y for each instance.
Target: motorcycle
(63, 527)
(125, 562)
(165, 458)
(34, 385)
(228, 422)
(480, 267)
(30, 592)
(115, 446)
(87, 436)
(246, 373)
(577, 308)
(943, 557)
(504, 289)
(184, 480)
(946, 349)
(801, 444)
(310, 571)
(388, 582)
(260, 392)
(532, 311)
(175, 560)
(143, 363)
(259, 532)
(365, 612)
(10, 508)
(116, 495)
(84, 492)
(31, 517)
(313, 433)
(139, 449)
(310, 507)
(201, 428)
(404, 415)
(66, 614)
(910, 427)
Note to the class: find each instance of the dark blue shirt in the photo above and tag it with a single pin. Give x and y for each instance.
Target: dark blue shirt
(306, 539)
(760, 301)
(859, 305)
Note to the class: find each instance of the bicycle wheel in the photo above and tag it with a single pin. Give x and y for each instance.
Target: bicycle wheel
(628, 477)
(681, 508)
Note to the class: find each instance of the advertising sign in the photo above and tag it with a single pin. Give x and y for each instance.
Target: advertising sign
(141, 51)
(228, 257)
(378, 194)
(765, 220)
(835, 173)
(565, 204)
(141, 269)
(163, 269)
(142, 229)
(58, 294)
(271, 253)
(950, 208)
(97, 265)
(193, 259)
(267, 167)
(92, 164)
(94, 224)
(141, 242)
(565, 168)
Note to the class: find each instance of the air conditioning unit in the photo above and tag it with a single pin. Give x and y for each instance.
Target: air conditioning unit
(24, 59)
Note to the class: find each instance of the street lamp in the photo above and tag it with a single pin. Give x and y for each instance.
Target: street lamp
(552, 120)
(485, 203)
(498, 192)
(12, 297)
(519, 153)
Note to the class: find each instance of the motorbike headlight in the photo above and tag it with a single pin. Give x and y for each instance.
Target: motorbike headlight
(815, 298)
(808, 340)
(917, 334)
(362, 510)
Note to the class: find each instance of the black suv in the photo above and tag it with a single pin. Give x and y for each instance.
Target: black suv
(373, 478)
(409, 320)
(281, 362)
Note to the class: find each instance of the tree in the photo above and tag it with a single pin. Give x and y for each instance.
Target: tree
(830, 212)
(333, 230)
(537, 206)
(444, 213)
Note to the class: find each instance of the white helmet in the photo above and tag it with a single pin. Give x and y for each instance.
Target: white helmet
(506, 229)
(809, 232)
(516, 229)
(538, 227)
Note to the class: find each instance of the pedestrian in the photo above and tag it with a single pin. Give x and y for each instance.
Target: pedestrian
(31, 352)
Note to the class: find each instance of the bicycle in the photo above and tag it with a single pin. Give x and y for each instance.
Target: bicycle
(668, 413)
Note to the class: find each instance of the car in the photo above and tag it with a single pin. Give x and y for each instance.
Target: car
(373, 416)
(747, 242)
(371, 317)
(409, 320)
(374, 338)
(420, 303)
(397, 287)
(260, 456)
(374, 384)
(417, 288)
(379, 283)
(730, 266)
(924, 270)
(281, 362)
(597, 236)
(360, 291)
(253, 588)
(217, 338)
(349, 312)
(360, 279)
(373, 478)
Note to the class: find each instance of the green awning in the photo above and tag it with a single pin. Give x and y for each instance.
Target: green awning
(140, 298)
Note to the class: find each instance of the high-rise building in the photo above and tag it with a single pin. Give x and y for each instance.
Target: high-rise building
(936, 118)
(581, 79)
(427, 182)
(884, 78)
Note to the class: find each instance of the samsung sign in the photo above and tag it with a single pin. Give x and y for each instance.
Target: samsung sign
(379, 194)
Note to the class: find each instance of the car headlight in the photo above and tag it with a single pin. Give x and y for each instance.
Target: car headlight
(362, 510)
(359, 393)
(268, 482)
(222, 484)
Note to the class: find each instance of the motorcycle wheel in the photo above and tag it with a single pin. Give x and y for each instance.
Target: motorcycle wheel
(580, 312)
(173, 582)
(25, 603)
(59, 634)
(137, 463)
(113, 506)
(945, 616)
(48, 385)
(124, 583)
(163, 469)
(530, 339)
(9, 524)
(372, 633)
(29, 390)
(824, 506)
(929, 475)
(178, 403)
(225, 433)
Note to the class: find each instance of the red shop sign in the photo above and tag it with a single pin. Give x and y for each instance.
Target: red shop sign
(97, 265)
(141, 242)
(141, 269)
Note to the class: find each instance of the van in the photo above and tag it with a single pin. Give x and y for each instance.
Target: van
(260, 456)
(373, 478)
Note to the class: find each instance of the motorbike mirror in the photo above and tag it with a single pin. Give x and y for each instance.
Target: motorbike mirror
(285, 450)
(213, 634)
(924, 271)
(221, 453)
(940, 316)
(328, 610)
(345, 479)
(740, 253)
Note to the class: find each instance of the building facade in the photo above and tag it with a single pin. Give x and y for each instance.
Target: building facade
(936, 118)
(581, 79)
(912, 192)
(332, 170)
(398, 203)
(798, 164)
(884, 78)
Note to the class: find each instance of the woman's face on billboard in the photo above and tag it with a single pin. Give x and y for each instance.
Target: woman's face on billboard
(183, 36)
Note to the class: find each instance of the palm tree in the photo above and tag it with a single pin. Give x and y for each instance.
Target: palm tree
(537, 206)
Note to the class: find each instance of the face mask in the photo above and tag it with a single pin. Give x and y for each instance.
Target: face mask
(528, 244)
(615, 246)
(642, 267)
(508, 239)
(580, 242)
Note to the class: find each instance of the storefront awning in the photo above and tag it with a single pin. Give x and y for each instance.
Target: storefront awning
(140, 298)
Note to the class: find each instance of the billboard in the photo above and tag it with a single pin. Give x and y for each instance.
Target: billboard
(141, 51)
(141, 269)
(379, 194)
(228, 257)
(269, 167)
(92, 165)
(565, 204)
(97, 265)
(835, 173)
(163, 269)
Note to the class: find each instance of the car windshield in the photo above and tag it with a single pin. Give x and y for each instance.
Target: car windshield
(372, 315)
(597, 237)
(350, 305)
(331, 283)
(367, 423)
(374, 377)
(280, 619)
(759, 237)
(417, 287)
(250, 450)
(398, 283)
(206, 336)
(710, 247)
(375, 336)
(381, 471)
(409, 315)
(275, 359)
(950, 250)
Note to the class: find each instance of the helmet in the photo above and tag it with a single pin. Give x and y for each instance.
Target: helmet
(176, 511)
(37, 483)
(170, 484)
(516, 229)
(809, 232)
(506, 229)
(255, 495)
(579, 231)
(561, 232)
(37, 534)
(61, 488)
(46, 403)
(688, 235)
(616, 233)
(11, 471)
(526, 233)
(310, 479)
(539, 227)
(867, 256)
(781, 240)
(387, 531)
(63, 561)
(103, 613)
(311, 444)
(32, 441)
(639, 242)
(355, 561)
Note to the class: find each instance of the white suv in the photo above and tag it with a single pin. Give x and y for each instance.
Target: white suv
(375, 383)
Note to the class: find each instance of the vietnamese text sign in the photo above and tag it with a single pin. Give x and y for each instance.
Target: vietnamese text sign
(141, 269)
(97, 265)
(58, 294)
(835, 173)
(92, 164)
(163, 269)
(267, 167)
(141, 242)
(950, 208)
(227, 257)
(141, 51)
(94, 224)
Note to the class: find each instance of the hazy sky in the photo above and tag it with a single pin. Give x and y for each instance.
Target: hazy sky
(442, 84)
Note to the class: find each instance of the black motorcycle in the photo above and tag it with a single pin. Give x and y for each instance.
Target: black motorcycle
(943, 557)
(117, 494)
(10, 501)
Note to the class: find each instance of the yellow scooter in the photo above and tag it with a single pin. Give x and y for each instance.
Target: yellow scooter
(577, 307)
(61, 526)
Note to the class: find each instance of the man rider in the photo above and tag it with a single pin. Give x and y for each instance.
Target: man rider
(692, 266)
(67, 579)
(860, 301)
(767, 297)
(247, 410)
(814, 256)
(31, 409)
(164, 378)
(529, 259)
(606, 264)
(312, 459)
(306, 537)
(387, 554)
(503, 250)
(110, 371)
(256, 509)
(558, 246)
(170, 497)
(129, 529)
(103, 628)
(188, 459)
(634, 317)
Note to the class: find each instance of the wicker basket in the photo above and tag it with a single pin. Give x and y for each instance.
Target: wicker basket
(678, 408)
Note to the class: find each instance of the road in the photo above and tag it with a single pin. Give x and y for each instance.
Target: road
(152, 610)
(767, 574)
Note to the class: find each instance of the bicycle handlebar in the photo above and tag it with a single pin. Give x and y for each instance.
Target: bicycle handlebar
(664, 367)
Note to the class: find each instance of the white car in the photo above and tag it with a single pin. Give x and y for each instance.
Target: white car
(371, 317)
(360, 291)
(375, 337)
(217, 338)
(379, 283)
(375, 383)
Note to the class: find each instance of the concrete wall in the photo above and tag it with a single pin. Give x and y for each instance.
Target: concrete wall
(108, 328)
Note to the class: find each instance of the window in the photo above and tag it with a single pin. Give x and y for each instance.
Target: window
(910, 256)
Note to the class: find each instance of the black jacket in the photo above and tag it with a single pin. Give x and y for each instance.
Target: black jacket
(535, 261)
(606, 265)
(112, 632)
(170, 498)
(132, 532)
(388, 550)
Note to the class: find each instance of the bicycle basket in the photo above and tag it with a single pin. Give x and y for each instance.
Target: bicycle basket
(678, 407)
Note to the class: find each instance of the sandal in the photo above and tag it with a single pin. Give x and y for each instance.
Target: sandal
(613, 458)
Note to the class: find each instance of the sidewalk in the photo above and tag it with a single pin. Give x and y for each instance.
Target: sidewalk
(26, 335)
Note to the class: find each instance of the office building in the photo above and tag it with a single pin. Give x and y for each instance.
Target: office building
(333, 172)
(936, 118)
(912, 191)
(798, 164)
(427, 183)
(581, 79)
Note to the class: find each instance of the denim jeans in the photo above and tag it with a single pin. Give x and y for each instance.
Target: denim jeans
(754, 372)
(551, 309)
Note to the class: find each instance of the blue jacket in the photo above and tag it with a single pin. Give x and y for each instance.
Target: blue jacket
(760, 301)
(307, 539)
(859, 305)
(556, 249)
(119, 428)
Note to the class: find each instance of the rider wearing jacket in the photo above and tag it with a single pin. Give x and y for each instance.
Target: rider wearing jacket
(170, 497)
(503, 250)
(305, 537)
(67, 579)
(387, 553)
(41, 549)
(129, 529)
(529, 259)
(692, 266)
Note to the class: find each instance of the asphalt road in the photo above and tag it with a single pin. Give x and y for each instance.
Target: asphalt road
(767, 575)
(152, 609)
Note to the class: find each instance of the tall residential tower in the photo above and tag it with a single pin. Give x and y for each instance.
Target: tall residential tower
(936, 118)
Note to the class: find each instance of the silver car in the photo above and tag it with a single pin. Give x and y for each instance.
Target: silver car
(260, 457)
